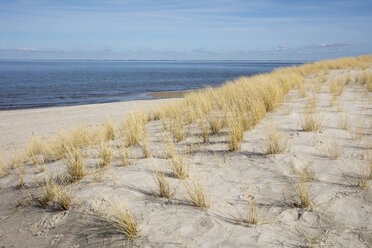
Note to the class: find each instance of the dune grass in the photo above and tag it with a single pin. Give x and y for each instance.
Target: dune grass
(75, 165)
(4, 168)
(163, 183)
(180, 165)
(105, 154)
(134, 128)
(120, 217)
(63, 197)
(344, 122)
(196, 193)
(332, 149)
(311, 122)
(275, 142)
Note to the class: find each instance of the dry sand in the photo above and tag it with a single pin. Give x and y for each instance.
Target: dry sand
(341, 217)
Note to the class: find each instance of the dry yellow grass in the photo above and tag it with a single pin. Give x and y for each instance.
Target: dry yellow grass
(311, 122)
(236, 134)
(109, 129)
(21, 173)
(48, 192)
(105, 154)
(303, 193)
(35, 146)
(63, 197)
(75, 165)
(364, 178)
(216, 123)
(311, 104)
(180, 165)
(205, 130)
(196, 193)
(336, 86)
(134, 128)
(357, 132)
(145, 147)
(250, 218)
(169, 146)
(275, 142)
(344, 122)
(366, 79)
(124, 156)
(332, 150)
(163, 183)
(121, 218)
(4, 168)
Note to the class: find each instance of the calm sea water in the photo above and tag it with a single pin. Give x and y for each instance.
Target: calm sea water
(32, 84)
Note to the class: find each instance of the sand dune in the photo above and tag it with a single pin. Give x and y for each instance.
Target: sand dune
(314, 192)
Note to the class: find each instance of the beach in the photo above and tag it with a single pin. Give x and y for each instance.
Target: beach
(300, 176)
(17, 126)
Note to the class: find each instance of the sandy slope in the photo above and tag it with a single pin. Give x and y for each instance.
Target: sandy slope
(342, 214)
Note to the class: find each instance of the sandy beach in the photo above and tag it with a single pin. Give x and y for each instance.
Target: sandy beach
(17, 126)
(254, 198)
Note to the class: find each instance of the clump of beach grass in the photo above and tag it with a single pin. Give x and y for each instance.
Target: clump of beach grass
(35, 146)
(344, 122)
(145, 147)
(109, 129)
(275, 142)
(163, 183)
(216, 123)
(105, 154)
(336, 86)
(21, 173)
(302, 190)
(311, 122)
(63, 197)
(75, 164)
(196, 193)
(180, 165)
(16, 160)
(169, 146)
(120, 217)
(205, 130)
(364, 176)
(124, 154)
(332, 150)
(134, 128)
(251, 217)
(236, 134)
(48, 192)
(4, 168)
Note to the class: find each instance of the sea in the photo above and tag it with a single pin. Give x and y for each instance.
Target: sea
(46, 83)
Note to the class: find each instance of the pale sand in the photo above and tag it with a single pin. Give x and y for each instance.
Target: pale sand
(342, 215)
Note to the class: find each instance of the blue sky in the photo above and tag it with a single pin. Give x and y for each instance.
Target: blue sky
(164, 29)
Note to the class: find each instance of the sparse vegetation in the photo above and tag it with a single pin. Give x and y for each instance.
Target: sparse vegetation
(196, 193)
(63, 196)
(105, 154)
(311, 123)
(275, 142)
(163, 184)
(121, 218)
(344, 122)
(75, 165)
(332, 150)
(4, 168)
(180, 165)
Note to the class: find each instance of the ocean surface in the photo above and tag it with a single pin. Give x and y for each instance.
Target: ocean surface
(34, 84)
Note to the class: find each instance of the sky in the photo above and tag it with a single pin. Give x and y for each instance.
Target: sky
(185, 30)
